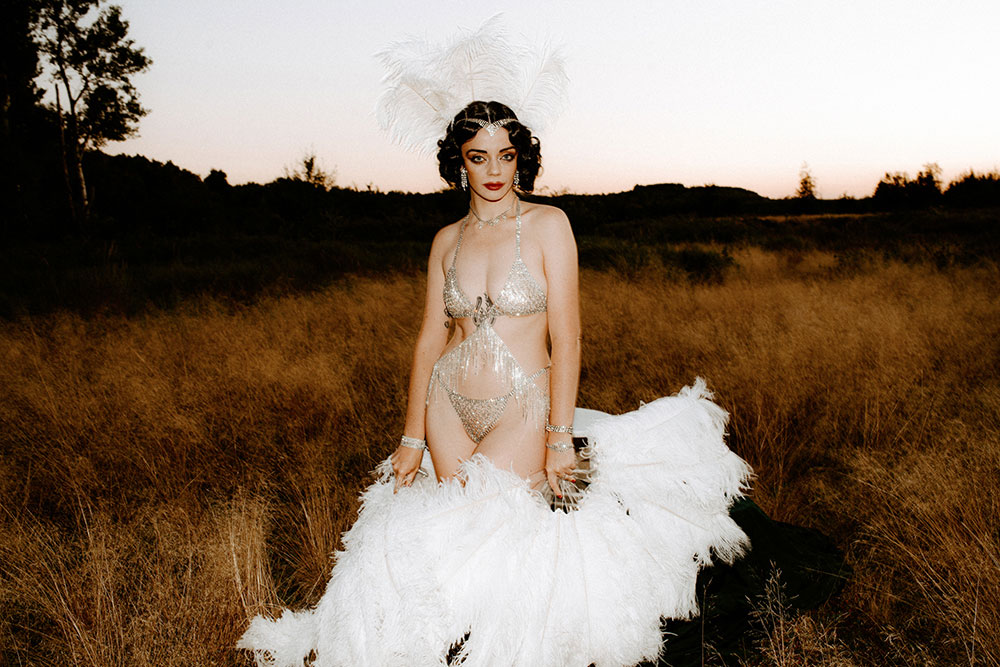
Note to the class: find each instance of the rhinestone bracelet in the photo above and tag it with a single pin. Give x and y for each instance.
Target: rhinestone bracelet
(412, 443)
(560, 446)
(559, 429)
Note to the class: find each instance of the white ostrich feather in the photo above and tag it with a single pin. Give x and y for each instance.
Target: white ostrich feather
(487, 559)
(427, 84)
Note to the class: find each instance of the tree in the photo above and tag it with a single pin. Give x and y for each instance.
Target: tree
(807, 184)
(311, 172)
(19, 97)
(217, 180)
(898, 191)
(890, 192)
(972, 189)
(87, 52)
(929, 180)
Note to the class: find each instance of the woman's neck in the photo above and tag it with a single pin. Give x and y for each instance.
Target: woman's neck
(486, 209)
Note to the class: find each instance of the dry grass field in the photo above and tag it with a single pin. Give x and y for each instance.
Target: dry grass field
(166, 476)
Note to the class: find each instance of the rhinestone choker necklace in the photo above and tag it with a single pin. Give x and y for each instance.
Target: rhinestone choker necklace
(491, 222)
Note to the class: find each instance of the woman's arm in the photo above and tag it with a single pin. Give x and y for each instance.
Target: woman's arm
(561, 276)
(431, 340)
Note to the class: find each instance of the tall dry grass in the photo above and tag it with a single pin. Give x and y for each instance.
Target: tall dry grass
(166, 477)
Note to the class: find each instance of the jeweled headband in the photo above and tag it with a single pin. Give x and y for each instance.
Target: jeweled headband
(494, 126)
(426, 84)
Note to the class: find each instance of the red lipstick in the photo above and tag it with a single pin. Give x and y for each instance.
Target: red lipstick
(492, 186)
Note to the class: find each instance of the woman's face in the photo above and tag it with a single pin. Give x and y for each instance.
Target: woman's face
(491, 163)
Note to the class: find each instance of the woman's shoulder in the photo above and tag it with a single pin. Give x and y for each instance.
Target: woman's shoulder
(448, 233)
(547, 220)
(446, 237)
(544, 212)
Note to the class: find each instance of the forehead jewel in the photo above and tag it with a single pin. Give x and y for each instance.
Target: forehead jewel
(494, 126)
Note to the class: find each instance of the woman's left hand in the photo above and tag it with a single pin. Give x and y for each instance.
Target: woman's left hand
(560, 465)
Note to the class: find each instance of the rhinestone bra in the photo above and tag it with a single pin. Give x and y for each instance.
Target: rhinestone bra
(521, 294)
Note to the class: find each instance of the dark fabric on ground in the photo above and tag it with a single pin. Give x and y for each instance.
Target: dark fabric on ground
(809, 567)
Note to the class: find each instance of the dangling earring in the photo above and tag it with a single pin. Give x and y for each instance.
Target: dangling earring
(517, 179)
(464, 178)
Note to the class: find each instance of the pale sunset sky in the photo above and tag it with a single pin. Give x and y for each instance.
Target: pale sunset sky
(724, 92)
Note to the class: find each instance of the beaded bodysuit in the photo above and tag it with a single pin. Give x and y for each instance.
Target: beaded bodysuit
(480, 398)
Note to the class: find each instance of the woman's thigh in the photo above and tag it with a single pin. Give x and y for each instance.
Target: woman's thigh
(516, 443)
(447, 440)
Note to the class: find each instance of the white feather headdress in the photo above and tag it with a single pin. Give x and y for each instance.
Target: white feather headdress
(427, 84)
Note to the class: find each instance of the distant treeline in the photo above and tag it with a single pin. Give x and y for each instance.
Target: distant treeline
(132, 194)
(158, 233)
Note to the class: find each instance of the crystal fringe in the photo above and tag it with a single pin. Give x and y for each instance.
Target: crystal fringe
(482, 350)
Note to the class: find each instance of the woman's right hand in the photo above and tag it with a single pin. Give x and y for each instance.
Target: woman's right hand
(405, 464)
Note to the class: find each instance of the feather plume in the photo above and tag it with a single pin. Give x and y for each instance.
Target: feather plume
(544, 88)
(426, 84)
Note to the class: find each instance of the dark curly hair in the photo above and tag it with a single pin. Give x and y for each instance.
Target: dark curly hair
(462, 128)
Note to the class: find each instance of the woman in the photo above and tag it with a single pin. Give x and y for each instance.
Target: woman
(482, 381)
(472, 566)
(507, 551)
